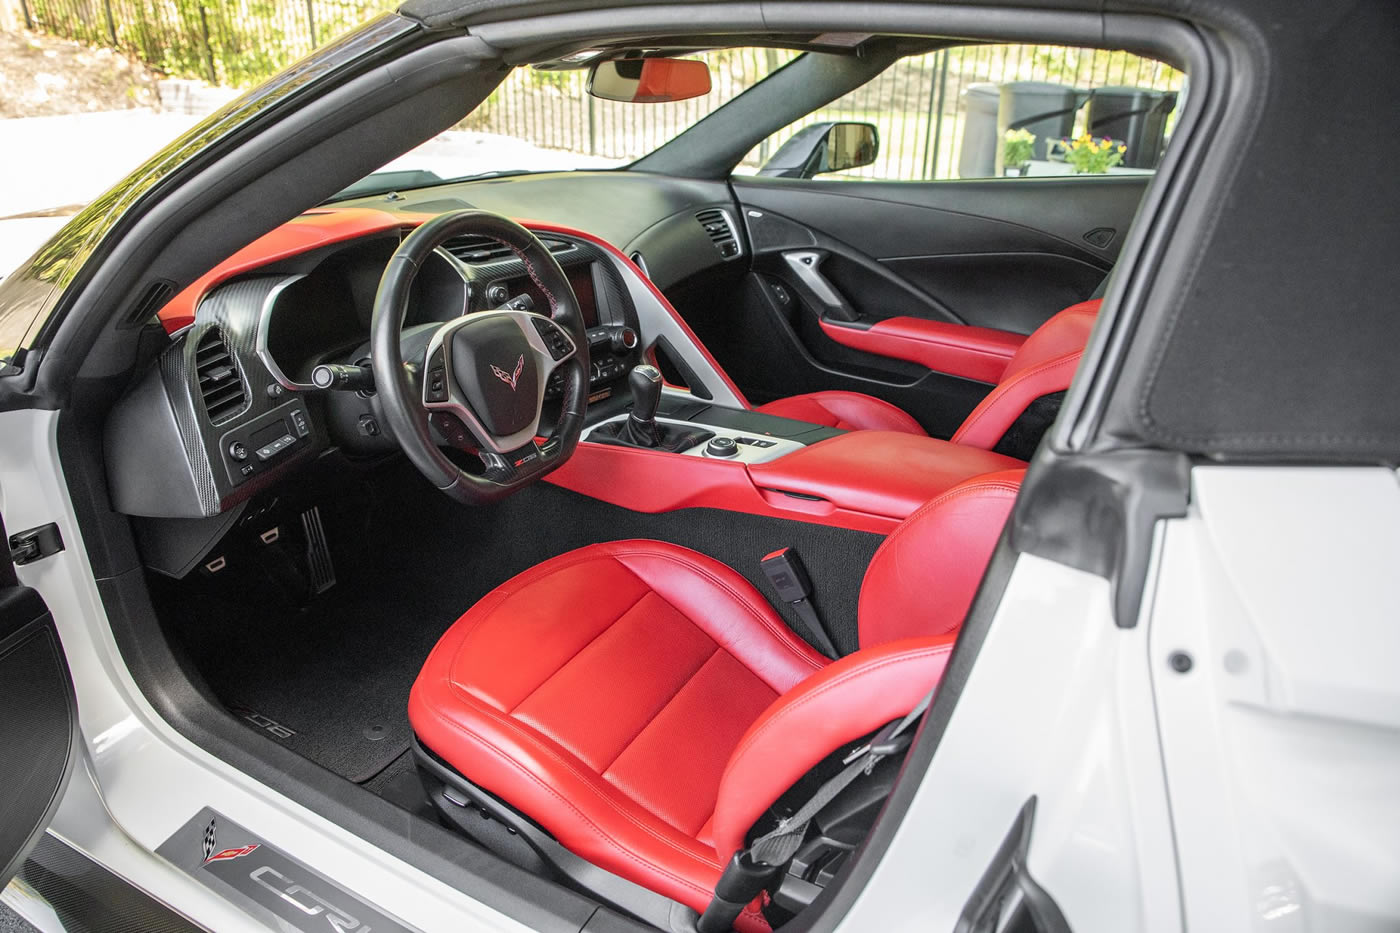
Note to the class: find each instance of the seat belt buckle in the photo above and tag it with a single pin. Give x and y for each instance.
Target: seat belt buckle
(785, 571)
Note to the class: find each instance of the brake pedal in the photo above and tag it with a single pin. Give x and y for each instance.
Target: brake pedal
(318, 553)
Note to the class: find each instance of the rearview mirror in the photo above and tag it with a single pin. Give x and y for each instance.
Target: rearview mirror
(824, 147)
(649, 80)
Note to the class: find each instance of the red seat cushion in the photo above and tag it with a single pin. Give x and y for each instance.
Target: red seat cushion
(849, 411)
(645, 704)
(602, 693)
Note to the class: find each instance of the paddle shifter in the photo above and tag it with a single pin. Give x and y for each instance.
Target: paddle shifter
(640, 428)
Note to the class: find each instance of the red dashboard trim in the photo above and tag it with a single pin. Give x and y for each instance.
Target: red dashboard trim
(301, 234)
(979, 353)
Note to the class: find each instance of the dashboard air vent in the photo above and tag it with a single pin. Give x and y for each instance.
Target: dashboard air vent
(220, 384)
(720, 232)
(480, 249)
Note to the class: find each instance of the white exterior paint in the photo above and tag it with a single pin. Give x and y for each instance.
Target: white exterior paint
(151, 778)
(1282, 743)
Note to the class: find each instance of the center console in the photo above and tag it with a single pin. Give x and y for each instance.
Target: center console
(671, 451)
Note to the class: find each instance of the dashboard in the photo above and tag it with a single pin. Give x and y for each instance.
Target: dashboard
(231, 405)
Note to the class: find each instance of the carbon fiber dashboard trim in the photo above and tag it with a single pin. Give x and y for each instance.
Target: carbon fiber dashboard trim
(234, 310)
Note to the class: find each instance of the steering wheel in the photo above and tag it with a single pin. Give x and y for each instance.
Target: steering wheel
(481, 382)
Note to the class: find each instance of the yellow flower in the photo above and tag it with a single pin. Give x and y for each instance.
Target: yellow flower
(1122, 149)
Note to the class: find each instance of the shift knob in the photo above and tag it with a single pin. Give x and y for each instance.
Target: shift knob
(645, 381)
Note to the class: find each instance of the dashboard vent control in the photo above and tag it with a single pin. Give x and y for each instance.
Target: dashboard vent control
(480, 249)
(220, 384)
(720, 231)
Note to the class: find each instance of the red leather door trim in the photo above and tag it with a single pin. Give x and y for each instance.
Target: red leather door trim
(979, 353)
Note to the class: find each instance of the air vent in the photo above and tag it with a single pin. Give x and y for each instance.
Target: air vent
(480, 249)
(720, 231)
(220, 384)
(155, 297)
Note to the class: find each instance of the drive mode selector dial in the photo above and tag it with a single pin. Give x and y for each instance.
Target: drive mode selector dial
(722, 447)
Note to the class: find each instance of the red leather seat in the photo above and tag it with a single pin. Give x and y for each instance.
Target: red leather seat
(1043, 365)
(645, 705)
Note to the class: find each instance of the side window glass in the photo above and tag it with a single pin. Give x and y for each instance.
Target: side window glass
(985, 111)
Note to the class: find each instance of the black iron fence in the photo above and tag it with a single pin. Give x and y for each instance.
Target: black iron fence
(923, 106)
(919, 105)
(228, 42)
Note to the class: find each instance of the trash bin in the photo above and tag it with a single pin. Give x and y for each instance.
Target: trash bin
(1136, 117)
(1045, 109)
(977, 158)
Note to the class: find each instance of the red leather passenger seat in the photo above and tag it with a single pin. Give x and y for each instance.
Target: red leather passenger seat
(645, 704)
(1043, 365)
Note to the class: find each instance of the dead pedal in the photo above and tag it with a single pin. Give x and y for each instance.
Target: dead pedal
(318, 552)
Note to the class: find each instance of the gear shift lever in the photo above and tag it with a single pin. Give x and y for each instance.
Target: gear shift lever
(640, 428)
(645, 381)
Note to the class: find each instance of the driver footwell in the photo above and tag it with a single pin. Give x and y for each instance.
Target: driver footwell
(328, 674)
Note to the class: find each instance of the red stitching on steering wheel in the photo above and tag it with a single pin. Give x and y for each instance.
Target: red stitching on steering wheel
(530, 269)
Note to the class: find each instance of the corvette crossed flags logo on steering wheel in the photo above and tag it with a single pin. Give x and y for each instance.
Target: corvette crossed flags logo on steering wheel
(510, 379)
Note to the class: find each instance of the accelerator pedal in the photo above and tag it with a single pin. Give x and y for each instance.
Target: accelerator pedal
(318, 552)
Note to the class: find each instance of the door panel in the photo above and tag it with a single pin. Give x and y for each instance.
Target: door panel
(38, 716)
(866, 276)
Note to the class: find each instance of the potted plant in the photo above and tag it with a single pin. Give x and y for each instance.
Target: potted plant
(1092, 155)
(1016, 150)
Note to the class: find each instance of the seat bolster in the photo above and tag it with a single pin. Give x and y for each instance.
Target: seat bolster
(994, 415)
(849, 411)
(847, 700)
(941, 549)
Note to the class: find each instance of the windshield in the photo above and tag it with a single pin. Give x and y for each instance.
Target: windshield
(545, 121)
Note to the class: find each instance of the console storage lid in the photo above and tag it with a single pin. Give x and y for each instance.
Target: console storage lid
(886, 473)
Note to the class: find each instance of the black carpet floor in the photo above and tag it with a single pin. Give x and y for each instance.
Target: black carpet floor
(330, 679)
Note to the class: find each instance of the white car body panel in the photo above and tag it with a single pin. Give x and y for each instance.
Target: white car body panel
(1282, 743)
(152, 779)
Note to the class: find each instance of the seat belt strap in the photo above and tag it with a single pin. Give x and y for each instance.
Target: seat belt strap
(776, 847)
(786, 572)
(753, 869)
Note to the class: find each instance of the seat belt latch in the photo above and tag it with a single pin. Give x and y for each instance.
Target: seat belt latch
(785, 571)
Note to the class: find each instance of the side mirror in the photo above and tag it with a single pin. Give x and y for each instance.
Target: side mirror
(649, 80)
(824, 147)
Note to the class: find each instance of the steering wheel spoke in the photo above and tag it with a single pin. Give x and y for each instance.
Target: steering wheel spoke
(486, 372)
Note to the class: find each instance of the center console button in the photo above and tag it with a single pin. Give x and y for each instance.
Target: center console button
(722, 447)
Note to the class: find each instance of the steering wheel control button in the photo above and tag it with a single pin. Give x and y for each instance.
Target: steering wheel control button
(722, 447)
(554, 338)
(435, 385)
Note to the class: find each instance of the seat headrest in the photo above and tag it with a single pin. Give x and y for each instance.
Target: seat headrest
(923, 578)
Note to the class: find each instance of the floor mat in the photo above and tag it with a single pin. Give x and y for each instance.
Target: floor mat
(331, 683)
(331, 680)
